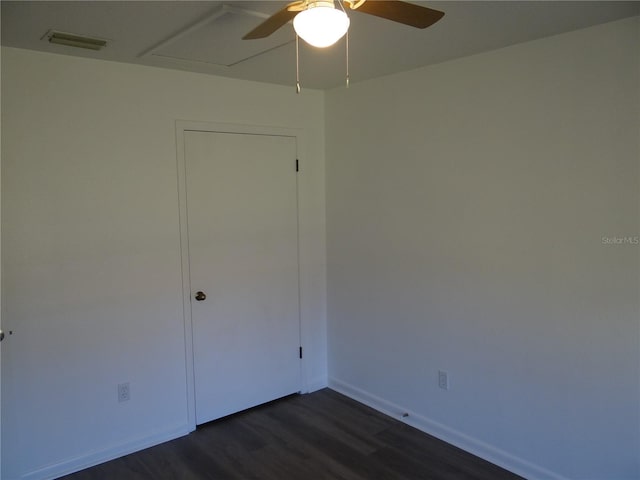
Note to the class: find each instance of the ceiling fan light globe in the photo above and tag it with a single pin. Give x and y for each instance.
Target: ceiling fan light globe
(321, 26)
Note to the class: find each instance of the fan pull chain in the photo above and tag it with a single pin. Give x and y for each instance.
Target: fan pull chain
(347, 42)
(297, 66)
(347, 35)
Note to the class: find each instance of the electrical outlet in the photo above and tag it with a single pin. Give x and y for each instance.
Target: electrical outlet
(124, 392)
(443, 380)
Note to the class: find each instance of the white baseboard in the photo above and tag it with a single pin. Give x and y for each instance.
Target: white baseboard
(474, 446)
(96, 457)
(481, 449)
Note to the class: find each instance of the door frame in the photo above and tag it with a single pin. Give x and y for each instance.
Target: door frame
(183, 126)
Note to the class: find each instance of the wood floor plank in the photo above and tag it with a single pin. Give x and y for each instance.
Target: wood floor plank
(320, 436)
(299, 449)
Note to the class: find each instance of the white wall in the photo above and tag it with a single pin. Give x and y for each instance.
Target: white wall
(0, 281)
(466, 205)
(91, 252)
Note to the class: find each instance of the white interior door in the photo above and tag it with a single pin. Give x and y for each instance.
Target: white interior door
(243, 255)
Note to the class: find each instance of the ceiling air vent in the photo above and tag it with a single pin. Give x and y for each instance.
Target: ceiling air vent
(73, 40)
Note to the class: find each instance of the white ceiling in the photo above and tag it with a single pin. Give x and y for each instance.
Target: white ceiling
(206, 36)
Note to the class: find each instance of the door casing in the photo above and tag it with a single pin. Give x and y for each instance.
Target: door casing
(183, 126)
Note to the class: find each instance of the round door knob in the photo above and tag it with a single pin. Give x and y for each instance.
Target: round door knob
(200, 296)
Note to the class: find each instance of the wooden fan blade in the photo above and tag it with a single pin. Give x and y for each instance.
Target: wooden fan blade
(274, 22)
(401, 12)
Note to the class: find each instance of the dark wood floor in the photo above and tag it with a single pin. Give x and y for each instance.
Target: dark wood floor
(323, 435)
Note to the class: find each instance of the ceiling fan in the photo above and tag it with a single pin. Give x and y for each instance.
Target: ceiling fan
(313, 18)
(321, 24)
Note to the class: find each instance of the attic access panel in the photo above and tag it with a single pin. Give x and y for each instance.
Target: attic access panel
(217, 39)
